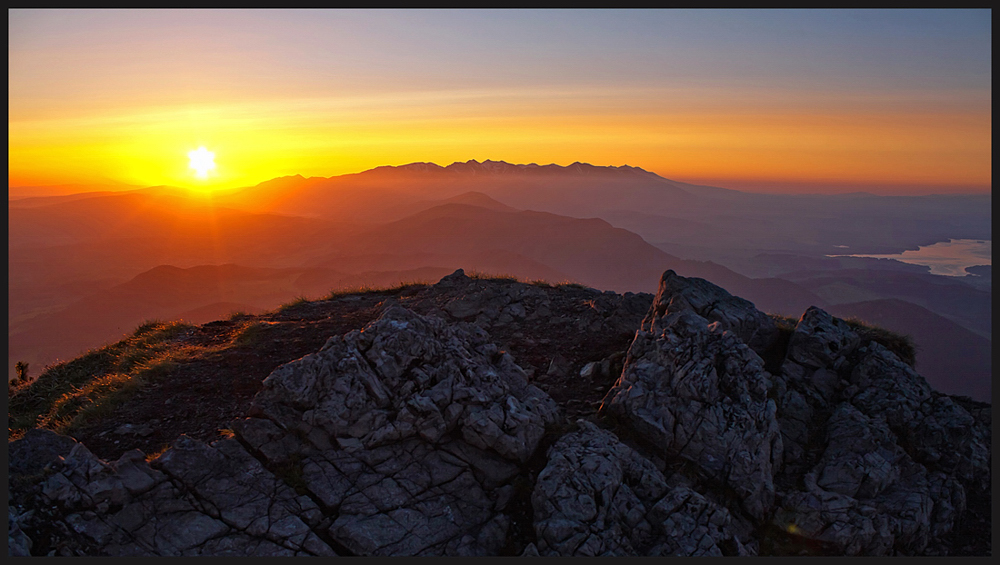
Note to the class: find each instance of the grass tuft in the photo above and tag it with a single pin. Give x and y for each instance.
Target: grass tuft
(483, 275)
(297, 301)
(902, 345)
(250, 333)
(376, 289)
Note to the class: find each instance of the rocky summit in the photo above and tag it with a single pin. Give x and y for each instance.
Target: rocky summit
(496, 417)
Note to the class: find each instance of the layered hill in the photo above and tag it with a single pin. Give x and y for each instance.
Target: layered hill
(69, 297)
(612, 228)
(716, 220)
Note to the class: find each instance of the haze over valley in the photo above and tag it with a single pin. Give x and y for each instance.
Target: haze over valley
(88, 268)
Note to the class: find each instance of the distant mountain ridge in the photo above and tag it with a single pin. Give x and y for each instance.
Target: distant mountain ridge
(504, 168)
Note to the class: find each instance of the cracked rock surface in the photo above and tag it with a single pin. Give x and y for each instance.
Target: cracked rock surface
(195, 499)
(696, 392)
(407, 431)
(599, 497)
(867, 436)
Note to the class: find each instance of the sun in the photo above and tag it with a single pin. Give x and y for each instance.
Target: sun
(202, 161)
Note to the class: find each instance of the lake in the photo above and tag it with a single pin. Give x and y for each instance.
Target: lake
(948, 258)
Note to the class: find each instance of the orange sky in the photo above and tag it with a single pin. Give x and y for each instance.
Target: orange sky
(894, 101)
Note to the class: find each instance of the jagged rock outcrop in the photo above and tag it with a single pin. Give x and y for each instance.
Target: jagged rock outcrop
(810, 382)
(694, 391)
(715, 304)
(932, 427)
(419, 435)
(869, 434)
(867, 496)
(408, 376)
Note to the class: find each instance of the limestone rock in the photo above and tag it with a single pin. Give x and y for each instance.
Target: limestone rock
(407, 498)
(862, 461)
(410, 430)
(597, 496)
(38, 448)
(821, 341)
(697, 392)
(885, 483)
(195, 499)
(713, 303)
(18, 543)
(405, 376)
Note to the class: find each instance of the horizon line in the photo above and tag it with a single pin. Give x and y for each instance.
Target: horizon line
(746, 185)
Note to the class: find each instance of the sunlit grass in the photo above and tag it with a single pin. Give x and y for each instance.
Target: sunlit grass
(483, 275)
(376, 289)
(251, 332)
(297, 301)
(70, 394)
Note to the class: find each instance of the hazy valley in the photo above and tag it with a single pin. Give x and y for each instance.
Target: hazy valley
(84, 269)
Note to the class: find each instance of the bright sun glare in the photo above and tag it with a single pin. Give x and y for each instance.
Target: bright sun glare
(202, 161)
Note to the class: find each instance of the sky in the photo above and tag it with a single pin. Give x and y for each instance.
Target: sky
(885, 101)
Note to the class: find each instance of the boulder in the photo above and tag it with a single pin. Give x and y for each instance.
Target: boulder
(407, 375)
(895, 454)
(810, 382)
(820, 341)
